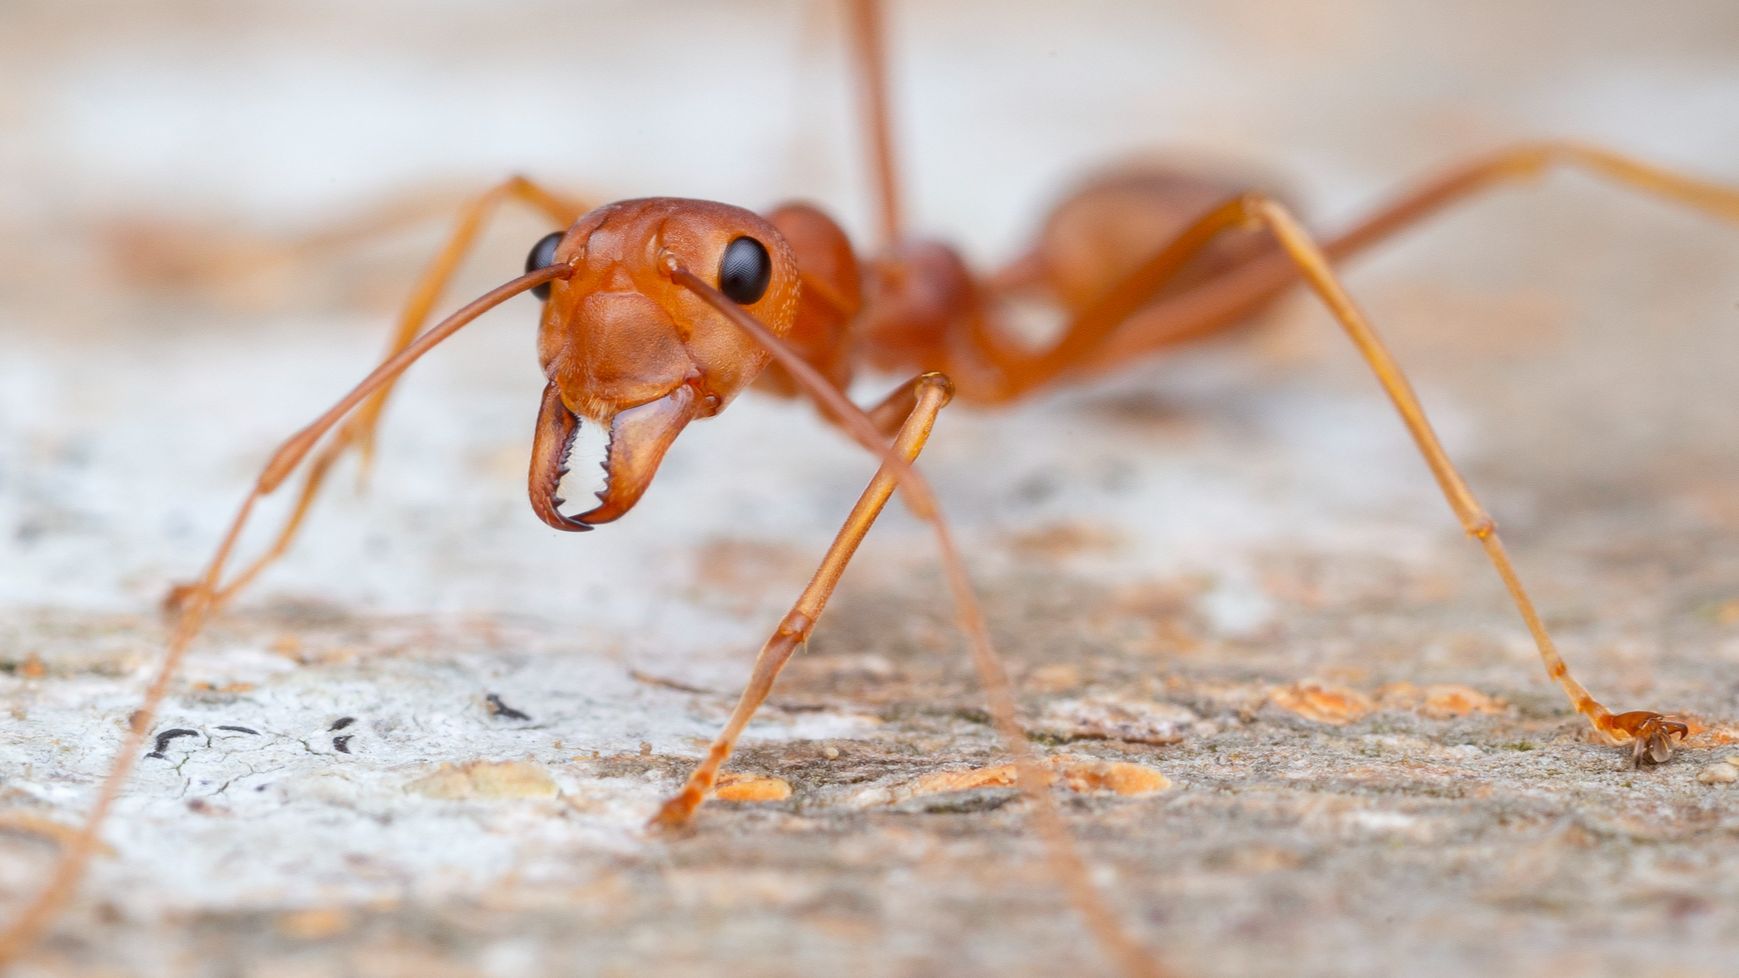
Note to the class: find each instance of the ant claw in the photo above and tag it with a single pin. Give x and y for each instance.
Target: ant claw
(186, 599)
(179, 598)
(676, 812)
(1653, 736)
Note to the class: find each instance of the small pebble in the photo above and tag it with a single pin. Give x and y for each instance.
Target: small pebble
(1733, 759)
(314, 924)
(1719, 774)
(832, 754)
(1081, 774)
(733, 786)
(474, 780)
(1323, 704)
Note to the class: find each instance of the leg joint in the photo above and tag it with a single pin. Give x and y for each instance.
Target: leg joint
(937, 381)
(1253, 206)
(1481, 527)
(795, 627)
(1528, 160)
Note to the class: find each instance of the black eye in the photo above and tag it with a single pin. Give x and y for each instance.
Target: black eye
(543, 255)
(744, 271)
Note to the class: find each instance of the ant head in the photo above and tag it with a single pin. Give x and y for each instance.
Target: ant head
(625, 346)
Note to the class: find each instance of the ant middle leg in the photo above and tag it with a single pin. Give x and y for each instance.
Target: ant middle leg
(869, 51)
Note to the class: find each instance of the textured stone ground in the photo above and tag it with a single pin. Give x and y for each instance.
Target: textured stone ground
(1226, 567)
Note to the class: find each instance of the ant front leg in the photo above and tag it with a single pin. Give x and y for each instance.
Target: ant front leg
(1132, 959)
(927, 394)
(358, 431)
(69, 868)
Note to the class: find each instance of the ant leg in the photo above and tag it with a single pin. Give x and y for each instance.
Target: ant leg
(1066, 863)
(180, 594)
(1121, 309)
(929, 393)
(869, 47)
(1655, 732)
(434, 281)
(1527, 162)
(199, 603)
(158, 252)
(889, 413)
(1240, 292)
(359, 430)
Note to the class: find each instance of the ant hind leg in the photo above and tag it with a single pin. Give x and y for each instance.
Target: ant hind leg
(1656, 734)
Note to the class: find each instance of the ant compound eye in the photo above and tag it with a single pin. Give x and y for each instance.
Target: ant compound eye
(745, 271)
(543, 255)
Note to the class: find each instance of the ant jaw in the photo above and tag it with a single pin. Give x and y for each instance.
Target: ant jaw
(639, 437)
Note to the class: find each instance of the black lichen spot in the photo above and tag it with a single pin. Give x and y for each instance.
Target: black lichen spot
(502, 710)
(342, 744)
(341, 723)
(166, 736)
(246, 730)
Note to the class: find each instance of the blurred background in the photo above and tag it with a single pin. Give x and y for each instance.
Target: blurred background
(1248, 510)
(139, 138)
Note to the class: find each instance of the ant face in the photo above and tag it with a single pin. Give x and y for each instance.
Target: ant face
(626, 347)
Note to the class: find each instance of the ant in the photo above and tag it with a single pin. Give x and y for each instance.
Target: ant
(657, 312)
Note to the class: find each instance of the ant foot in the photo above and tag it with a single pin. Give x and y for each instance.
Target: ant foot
(180, 598)
(1653, 736)
(677, 811)
(187, 598)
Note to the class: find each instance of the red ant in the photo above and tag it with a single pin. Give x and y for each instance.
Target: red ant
(658, 312)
